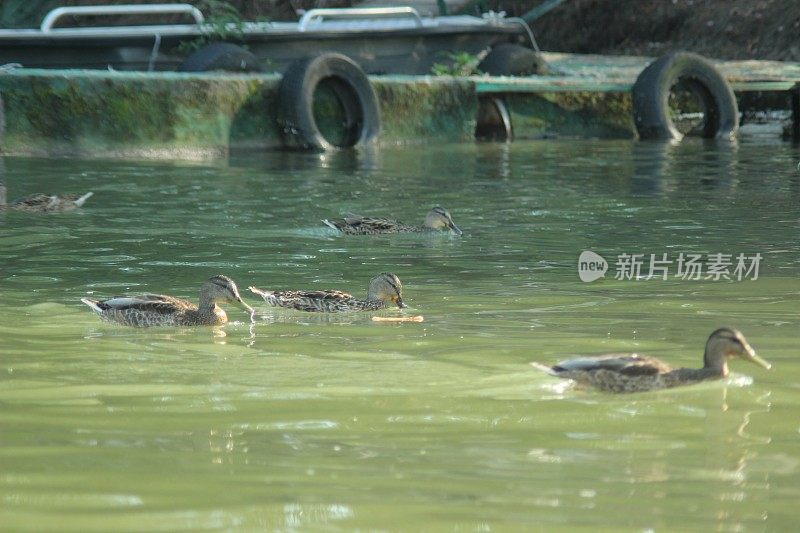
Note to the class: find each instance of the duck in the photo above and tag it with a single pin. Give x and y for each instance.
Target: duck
(385, 288)
(44, 203)
(438, 219)
(625, 373)
(148, 310)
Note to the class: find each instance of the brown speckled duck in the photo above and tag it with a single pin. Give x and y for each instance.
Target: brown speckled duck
(43, 203)
(158, 310)
(383, 289)
(438, 219)
(623, 373)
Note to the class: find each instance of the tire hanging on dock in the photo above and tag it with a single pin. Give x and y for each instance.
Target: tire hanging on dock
(493, 122)
(342, 77)
(225, 57)
(692, 72)
(2, 127)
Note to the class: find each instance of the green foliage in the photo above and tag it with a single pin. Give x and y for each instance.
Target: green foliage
(460, 64)
(222, 23)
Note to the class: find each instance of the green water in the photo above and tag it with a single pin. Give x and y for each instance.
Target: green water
(303, 422)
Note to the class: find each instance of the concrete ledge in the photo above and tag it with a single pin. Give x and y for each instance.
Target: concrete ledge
(203, 116)
(197, 116)
(80, 113)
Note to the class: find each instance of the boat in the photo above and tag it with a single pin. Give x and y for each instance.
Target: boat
(382, 40)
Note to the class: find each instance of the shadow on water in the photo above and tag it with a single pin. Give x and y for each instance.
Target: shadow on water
(661, 168)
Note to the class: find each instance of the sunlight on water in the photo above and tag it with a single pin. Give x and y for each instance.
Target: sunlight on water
(307, 421)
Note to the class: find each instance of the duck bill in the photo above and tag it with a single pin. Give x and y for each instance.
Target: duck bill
(400, 303)
(243, 306)
(752, 357)
(454, 228)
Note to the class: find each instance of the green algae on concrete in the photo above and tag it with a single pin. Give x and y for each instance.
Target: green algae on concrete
(571, 114)
(414, 108)
(127, 114)
(198, 116)
(203, 116)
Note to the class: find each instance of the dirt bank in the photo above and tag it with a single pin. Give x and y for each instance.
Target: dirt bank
(730, 29)
(725, 29)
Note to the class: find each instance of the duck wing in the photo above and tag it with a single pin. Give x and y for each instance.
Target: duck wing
(375, 224)
(324, 295)
(47, 203)
(353, 223)
(628, 364)
(36, 201)
(328, 300)
(154, 303)
(303, 300)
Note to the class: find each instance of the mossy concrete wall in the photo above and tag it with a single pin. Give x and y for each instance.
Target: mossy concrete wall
(415, 109)
(202, 116)
(123, 114)
(572, 114)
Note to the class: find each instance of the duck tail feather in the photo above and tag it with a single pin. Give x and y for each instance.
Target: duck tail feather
(544, 368)
(80, 201)
(92, 304)
(261, 292)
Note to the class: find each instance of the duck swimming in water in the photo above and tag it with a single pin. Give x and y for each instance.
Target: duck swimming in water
(158, 310)
(438, 219)
(384, 289)
(44, 203)
(637, 373)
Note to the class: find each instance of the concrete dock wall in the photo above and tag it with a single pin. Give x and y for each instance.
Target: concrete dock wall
(122, 114)
(198, 116)
(203, 116)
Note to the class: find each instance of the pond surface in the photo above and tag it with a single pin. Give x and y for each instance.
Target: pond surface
(308, 422)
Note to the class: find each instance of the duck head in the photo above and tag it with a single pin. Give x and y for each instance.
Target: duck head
(725, 343)
(386, 287)
(439, 218)
(222, 289)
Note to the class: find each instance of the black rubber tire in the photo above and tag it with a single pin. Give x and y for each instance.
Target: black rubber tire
(2, 124)
(507, 59)
(651, 97)
(224, 57)
(352, 88)
(493, 122)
